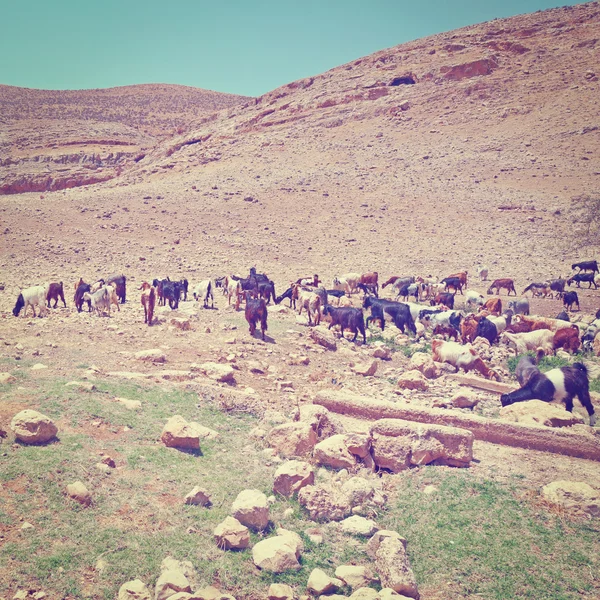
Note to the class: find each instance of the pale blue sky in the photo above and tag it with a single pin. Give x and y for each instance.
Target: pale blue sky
(239, 46)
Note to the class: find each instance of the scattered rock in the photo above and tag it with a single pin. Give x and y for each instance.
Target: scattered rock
(134, 590)
(574, 496)
(293, 439)
(39, 367)
(78, 492)
(332, 452)
(292, 476)
(217, 372)
(178, 433)
(323, 338)
(277, 554)
(424, 364)
(231, 535)
(323, 504)
(198, 497)
(32, 427)
(413, 380)
(355, 576)
(366, 369)
(170, 582)
(320, 583)
(155, 355)
(392, 564)
(383, 353)
(280, 591)
(6, 378)
(538, 412)
(82, 386)
(129, 404)
(464, 399)
(357, 525)
(251, 509)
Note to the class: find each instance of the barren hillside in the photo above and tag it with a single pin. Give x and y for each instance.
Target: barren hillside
(51, 140)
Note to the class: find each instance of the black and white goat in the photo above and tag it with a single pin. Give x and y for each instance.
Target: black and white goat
(559, 385)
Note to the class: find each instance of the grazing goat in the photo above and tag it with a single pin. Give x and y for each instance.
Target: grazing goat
(583, 278)
(559, 385)
(347, 318)
(394, 278)
(453, 283)
(308, 300)
(568, 339)
(589, 335)
(99, 300)
(570, 298)
(446, 331)
(120, 284)
(256, 310)
(543, 322)
(204, 291)
(538, 289)
(314, 281)
(266, 290)
(80, 289)
(287, 294)
(531, 341)
(398, 312)
(493, 306)
(558, 287)
(588, 265)
(444, 299)
(171, 292)
(498, 284)
(473, 299)
(487, 329)
(368, 288)
(461, 357)
(55, 291)
(563, 316)
(348, 282)
(32, 296)
(233, 289)
(463, 275)
(148, 301)
(519, 307)
(468, 329)
(371, 280)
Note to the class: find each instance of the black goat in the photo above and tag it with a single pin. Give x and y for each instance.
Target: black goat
(561, 385)
(171, 291)
(82, 288)
(368, 288)
(486, 329)
(570, 298)
(256, 310)
(563, 316)
(587, 265)
(266, 289)
(453, 282)
(400, 313)
(583, 278)
(347, 318)
(286, 294)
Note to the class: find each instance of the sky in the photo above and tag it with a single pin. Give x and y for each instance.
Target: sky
(246, 47)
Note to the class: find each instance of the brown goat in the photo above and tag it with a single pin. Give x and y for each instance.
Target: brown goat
(55, 291)
(498, 284)
(568, 339)
(148, 301)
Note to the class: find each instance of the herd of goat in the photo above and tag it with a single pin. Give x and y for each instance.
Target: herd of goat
(513, 326)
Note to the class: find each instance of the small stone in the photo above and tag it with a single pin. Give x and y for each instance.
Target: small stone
(230, 534)
(198, 497)
(78, 492)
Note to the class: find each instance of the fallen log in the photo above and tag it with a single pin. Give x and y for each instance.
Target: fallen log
(579, 444)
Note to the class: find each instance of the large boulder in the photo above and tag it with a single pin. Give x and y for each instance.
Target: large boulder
(424, 364)
(277, 554)
(231, 535)
(393, 566)
(134, 590)
(293, 439)
(320, 583)
(359, 491)
(292, 476)
(538, 412)
(251, 509)
(413, 380)
(155, 355)
(323, 504)
(32, 427)
(333, 452)
(217, 372)
(179, 433)
(575, 497)
(355, 576)
(170, 582)
(357, 525)
(322, 421)
(397, 444)
(280, 591)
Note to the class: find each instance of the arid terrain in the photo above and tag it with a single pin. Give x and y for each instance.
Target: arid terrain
(461, 149)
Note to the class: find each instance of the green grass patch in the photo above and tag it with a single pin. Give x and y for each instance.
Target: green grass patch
(484, 539)
(546, 362)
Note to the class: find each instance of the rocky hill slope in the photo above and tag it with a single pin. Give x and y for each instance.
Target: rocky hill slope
(51, 140)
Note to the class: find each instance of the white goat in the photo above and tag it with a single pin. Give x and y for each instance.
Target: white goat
(100, 300)
(204, 291)
(532, 340)
(32, 296)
